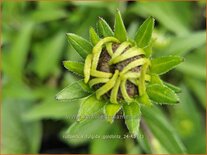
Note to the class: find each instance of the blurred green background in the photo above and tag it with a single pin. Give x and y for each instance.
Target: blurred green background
(34, 44)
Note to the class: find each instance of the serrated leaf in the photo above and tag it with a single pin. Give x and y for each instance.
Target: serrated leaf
(164, 64)
(110, 110)
(82, 46)
(162, 94)
(93, 36)
(119, 28)
(89, 107)
(75, 67)
(172, 87)
(76, 90)
(104, 29)
(144, 33)
(132, 116)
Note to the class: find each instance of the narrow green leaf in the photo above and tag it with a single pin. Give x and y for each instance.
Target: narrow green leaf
(93, 36)
(16, 133)
(82, 46)
(132, 116)
(164, 64)
(110, 110)
(163, 130)
(162, 94)
(47, 55)
(119, 28)
(98, 146)
(144, 33)
(104, 29)
(76, 90)
(182, 45)
(75, 67)
(14, 60)
(198, 88)
(50, 108)
(90, 107)
(43, 15)
(173, 87)
(84, 129)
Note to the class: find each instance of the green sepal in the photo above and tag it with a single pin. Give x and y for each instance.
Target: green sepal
(104, 29)
(164, 64)
(81, 45)
(173, 87)
(162, 94)
(119, 28)
(94, 38)
(144, 99)
(110, 110)
(132, 115)
(75, 67)
(89, 108)
(74, 91)
(144, 33)
(155, 79)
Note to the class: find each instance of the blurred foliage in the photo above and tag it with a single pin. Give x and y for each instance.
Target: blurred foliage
(33, 47)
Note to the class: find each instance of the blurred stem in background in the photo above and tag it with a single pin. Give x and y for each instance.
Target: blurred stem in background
(34, 46)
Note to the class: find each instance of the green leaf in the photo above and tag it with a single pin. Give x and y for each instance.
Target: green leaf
(89, 107)
(110, 110)
(183, 44)
(104, 29)
(163, 130)
(172, 87)
(162, 94)
(47, 55)
(85, 129)
(93, 36)
(75, 67)
(119, 28)
(166, 13)
(47, 15)
(16, 133)
(52, 109)
(14, 60)
(132, 116)
(98, 146)
(144, 33)
(188, 121)
(76, 90)
(82, 46)
(199, 89)
(164, 64)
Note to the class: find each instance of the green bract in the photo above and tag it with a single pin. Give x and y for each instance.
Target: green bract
(119, 73)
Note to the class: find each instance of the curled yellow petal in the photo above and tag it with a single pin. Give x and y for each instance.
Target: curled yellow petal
(100, 74)
(97, 81)
(87, 68)
(124, 91)
(128, 54)
(98, 49)
(133, 64)
(109, 85)
(114, 91)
